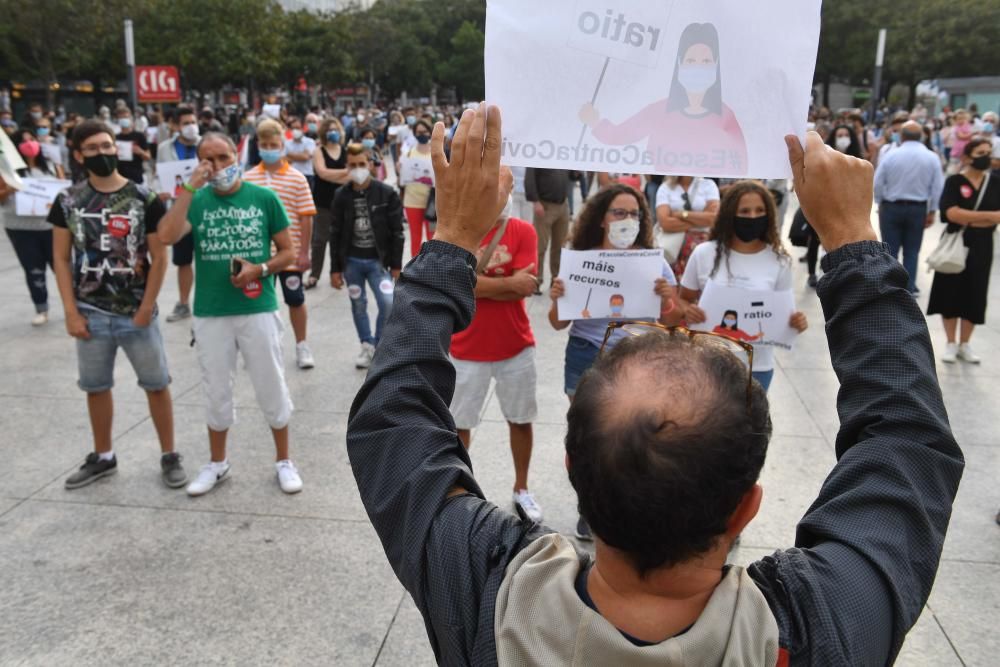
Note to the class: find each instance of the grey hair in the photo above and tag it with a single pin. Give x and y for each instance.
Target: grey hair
(209, 136)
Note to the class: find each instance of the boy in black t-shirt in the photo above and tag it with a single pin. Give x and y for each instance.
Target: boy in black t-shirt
(109, 265)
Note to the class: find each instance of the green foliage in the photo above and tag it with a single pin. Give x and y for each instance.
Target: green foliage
(418, 45)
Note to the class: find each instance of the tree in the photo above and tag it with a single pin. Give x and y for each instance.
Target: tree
(464, 68)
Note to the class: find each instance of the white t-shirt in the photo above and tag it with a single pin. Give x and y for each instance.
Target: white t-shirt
(303, 145)
(701, 192)
(762, 271)
(996, 148)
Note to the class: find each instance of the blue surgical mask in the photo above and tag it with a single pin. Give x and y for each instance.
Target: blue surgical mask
(616, 311)
(411, 120)
(270, 156)
(333, 137)
(894, 137)
(224, 179)
(368, 143)
(988, 128)
(312, 127)
(42, 132)
(696, 78)
(729, 322)
(124, 123)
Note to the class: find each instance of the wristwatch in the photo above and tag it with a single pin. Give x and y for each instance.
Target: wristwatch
(263, 270)
(684, 215)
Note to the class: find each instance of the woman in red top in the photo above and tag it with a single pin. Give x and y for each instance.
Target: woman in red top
(730, 328)
(692, 131)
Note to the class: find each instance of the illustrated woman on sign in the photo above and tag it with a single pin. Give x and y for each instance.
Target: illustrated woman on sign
(729, 327)
(691, 131)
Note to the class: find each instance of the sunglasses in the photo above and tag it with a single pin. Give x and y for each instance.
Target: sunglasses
(741, 349)
(687, 201)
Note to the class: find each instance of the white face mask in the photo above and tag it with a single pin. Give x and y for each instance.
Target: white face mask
(623, 233)
(843, 143)
(225, 179)
(696, 78)
(296, 134)
(190, 132)
(360, 175)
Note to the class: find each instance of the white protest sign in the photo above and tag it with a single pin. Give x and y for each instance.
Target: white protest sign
(613, 284)
(37, 195)
(753, 316)
(124, 150)
(675, 87)
(174, 174)
(415, 170)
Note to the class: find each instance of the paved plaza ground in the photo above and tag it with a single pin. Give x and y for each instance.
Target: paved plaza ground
(128, 572)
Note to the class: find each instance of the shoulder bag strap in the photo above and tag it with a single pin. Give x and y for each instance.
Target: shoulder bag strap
(491, 248)
(982, 191)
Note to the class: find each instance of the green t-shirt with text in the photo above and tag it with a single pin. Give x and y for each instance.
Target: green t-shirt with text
(238, 225)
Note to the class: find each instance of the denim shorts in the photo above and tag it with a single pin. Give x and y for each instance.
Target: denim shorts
(580, 356)
(143, 347)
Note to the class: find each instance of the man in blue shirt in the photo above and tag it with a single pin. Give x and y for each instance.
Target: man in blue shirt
(908, 184)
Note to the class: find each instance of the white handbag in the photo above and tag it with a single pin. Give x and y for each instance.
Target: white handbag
(951, 252)
(670, 242)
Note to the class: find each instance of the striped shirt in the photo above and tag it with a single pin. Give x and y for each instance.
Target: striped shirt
(293, 190)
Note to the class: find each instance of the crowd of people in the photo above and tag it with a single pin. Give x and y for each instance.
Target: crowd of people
(275, 192)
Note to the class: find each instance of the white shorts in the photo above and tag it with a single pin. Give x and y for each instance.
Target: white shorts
(258, 338)
(516, 381)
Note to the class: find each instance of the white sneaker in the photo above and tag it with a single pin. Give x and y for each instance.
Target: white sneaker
(209, 475)
(950, 355)
(526, 506)
(364, 359)
(40, 319)
(288, 476)
(304, 356)
(966, 354)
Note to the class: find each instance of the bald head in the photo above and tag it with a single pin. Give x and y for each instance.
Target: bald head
(660, 435)
(911, 131)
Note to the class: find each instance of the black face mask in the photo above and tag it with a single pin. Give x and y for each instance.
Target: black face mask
(982, 163)
(101, 165)
(751, 229)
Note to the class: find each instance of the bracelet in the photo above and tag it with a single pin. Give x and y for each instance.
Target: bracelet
(189, 188)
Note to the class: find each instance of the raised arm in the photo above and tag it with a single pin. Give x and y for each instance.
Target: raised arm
(868, 548)
(442, 538)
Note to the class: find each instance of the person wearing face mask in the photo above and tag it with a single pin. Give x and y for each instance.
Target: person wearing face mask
(131, 169)
(499, 345)
(744, 251)
(50, 147)
(330, 165)
(616, 218)
(970, 205)
(110, 264)
(417, 195)
(685, 212)
(892, 138)
(182, 146)
(275, 173)
(369, 139)
(366, 246)
(991, 124)
(312, 126)
(300, 151)
(908, 183)
(693, 124)
(235, 224)
(31, 236)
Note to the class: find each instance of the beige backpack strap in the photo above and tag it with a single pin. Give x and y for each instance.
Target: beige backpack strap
(491, 248)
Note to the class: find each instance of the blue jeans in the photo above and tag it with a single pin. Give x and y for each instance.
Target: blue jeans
(580, 356)
(356, 274)
(143, 347)
(902, 226)
(764, 378)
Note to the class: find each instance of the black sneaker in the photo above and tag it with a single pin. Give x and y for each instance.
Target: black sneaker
(583, 530)
(172, 470)
(92, 470)
(813, 281)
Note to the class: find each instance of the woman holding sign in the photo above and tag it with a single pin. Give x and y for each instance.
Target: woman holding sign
(30, 235)
(745, 252)
(692, 130)
(616, 218)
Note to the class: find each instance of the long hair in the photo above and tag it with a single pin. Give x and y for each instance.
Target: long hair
(41, 162)
(725, 223)
(697, 33)
(854, 150)
(588, 232)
